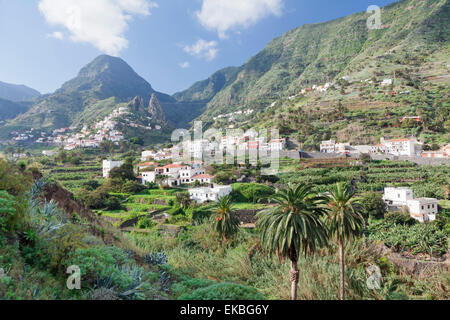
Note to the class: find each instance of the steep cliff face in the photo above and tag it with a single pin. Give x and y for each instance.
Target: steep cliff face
(137, 105)
(155, 110)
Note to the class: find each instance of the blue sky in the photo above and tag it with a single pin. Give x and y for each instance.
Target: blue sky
(171, 43)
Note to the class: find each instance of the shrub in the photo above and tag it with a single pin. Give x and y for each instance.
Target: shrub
(132, 187)
(113, 203)
(101, 263)
(224, 291)
(250, 192)
(373, 205)
(7, 211)
(145, 223)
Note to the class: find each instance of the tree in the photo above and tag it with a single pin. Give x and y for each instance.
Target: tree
(373, 205)
(106, 146)
(293, 227)
(124, 172)
(226, 222)
(183, 199)
(344, 221)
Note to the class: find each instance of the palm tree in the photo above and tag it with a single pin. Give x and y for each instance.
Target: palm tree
(345, 221)
(225, 222)
(293, 227)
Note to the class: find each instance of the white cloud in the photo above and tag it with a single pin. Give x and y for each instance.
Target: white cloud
(185, 65)
(225, 15)
(203, 49)
(57, 35)
(101, 23)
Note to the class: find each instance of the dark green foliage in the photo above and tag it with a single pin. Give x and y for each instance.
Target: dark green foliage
(7, 211)
(251, 192)
(132, 187)
(373, 205)
(428, 239)
(224, 291)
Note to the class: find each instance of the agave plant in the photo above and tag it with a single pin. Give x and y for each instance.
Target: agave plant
(156, 258)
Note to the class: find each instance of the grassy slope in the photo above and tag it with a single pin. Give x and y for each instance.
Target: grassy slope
(415, 34)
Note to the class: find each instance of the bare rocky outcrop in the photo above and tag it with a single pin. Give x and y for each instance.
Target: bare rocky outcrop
(155, 109)
(137, 105)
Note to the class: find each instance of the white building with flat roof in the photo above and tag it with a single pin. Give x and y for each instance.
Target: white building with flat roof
(108, 165)
(397, 196)
(212, 193)
(328, 146)
(423, 209)
(400, 147)
(148, 177)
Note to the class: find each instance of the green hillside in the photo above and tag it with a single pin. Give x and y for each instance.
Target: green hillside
(16, 93)
(10, 109)
(413, 34)
(101, 86)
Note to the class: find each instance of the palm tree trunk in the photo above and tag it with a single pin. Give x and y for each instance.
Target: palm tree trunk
(294, 279)
(342, 269)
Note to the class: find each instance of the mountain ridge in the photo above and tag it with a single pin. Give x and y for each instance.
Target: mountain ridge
(17, 92)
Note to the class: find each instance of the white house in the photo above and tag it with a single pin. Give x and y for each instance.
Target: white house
(213, 193)
(148, 154)
(386, 82)
(423, 209)
(277, 144)
(49, 153)
(148, 176)
(186, 174)
(108, 165)
(328, 146)
(397, 196)
(202, 178)
(400, 147)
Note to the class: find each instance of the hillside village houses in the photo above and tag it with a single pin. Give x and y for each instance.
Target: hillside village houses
(444, 152)
(91, 137)
(108, 165)
(197, 149)
(398, 147)
(176, 174)
(421, 209)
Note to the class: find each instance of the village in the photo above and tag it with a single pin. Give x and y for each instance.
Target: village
(89, 136)
(409, 147)
(163, 168)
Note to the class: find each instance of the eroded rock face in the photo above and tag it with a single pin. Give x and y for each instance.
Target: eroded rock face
(155, 109)
(137, 105)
